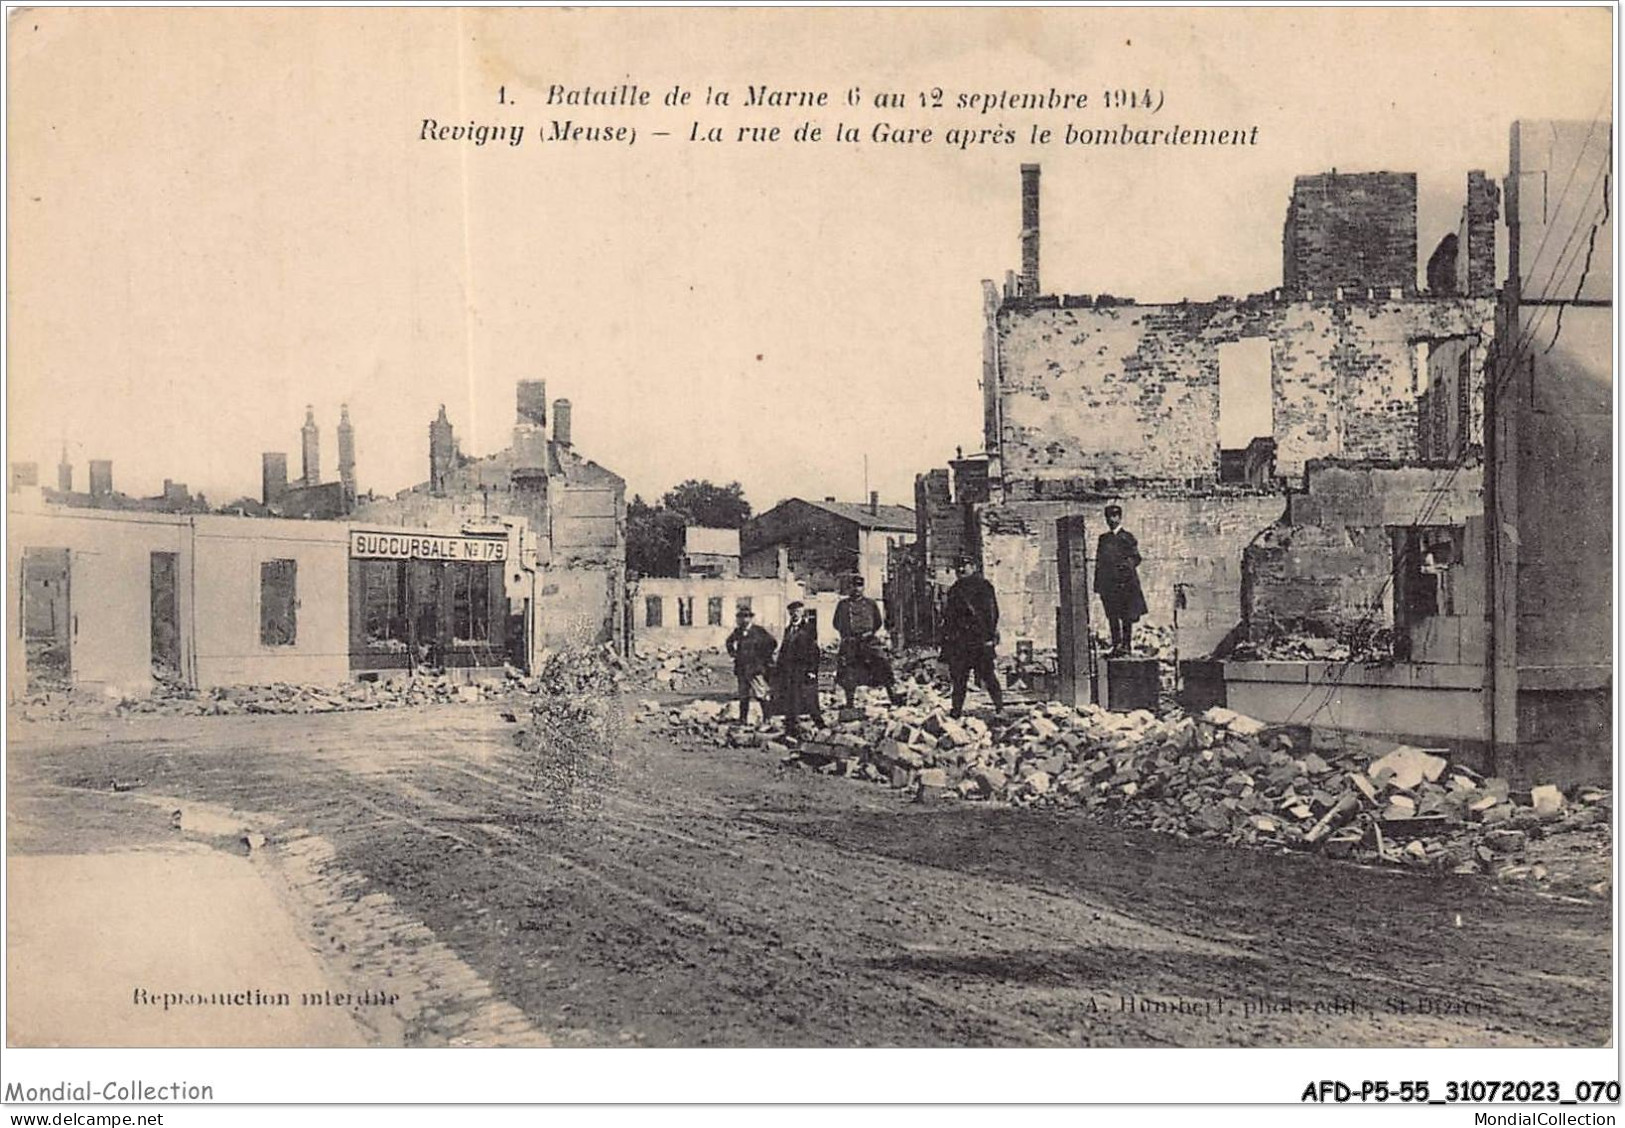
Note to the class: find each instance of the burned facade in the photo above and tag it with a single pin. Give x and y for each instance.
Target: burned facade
(1309, 466)
(566, 585)
(1200, 417)
(511, 554)
(919, 573)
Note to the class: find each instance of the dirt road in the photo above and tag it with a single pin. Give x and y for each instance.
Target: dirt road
(674, 895)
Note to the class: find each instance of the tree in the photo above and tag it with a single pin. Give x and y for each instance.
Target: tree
(708, 505)
(654, 539)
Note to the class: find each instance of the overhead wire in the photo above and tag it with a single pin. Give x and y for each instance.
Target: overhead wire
(1507, 366)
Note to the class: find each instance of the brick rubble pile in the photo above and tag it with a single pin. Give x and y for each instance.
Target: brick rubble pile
(283, 697)
(1219, 776)
(670, 669)
(596, 669)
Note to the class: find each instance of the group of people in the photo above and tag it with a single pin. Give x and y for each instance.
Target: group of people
(786, 673)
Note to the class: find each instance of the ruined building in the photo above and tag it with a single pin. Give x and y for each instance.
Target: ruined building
(1199, 417)
(1349, 466)
(572, 511)
(310, 497)
(175, 498)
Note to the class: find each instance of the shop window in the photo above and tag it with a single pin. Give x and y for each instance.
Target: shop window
(279, 603)
(470, 605)
(685, 611)
(384, 592)
(713, 611)
(425, 587)
(653, 611)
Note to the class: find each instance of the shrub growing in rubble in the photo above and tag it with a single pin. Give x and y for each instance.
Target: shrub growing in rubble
(573, 726)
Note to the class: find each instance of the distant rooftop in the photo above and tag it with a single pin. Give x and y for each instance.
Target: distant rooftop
(698, 540)
(898, 517)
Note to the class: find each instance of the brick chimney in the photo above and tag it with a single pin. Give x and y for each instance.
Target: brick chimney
(273, 476)
(874, 503)
(346, 451)
(532, 402)
(1029, 231)
(310, 449)
(442, 452)
(529, 449)
(101, 477)
(561, 422)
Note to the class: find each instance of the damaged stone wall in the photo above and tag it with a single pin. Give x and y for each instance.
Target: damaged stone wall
(470, 491)
(939, 522)
(1450, 419)
(1196, 541)
(920, 573)
(1326, 569)
(1130, 393)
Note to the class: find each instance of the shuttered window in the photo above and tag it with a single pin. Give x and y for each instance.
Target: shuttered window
(279, 602)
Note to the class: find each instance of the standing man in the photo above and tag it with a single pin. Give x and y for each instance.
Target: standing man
(970, 635)
(861, 661)
(751, 648)
(1117, 580)
(797, 670)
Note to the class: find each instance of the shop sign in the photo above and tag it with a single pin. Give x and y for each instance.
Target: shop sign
(426, 546)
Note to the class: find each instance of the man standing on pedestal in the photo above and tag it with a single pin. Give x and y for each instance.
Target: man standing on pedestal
(1117, 580)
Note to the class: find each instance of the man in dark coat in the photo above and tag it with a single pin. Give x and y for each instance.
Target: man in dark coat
(751, 648)
(861, 661)
(1117, 580)
(796, 686)
(970, 634)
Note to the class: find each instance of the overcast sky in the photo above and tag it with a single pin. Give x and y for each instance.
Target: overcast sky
(218, 216)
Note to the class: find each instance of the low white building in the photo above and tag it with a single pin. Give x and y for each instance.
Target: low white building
(697, 612)
(118, 599)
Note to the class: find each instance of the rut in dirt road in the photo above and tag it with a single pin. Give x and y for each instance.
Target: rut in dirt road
(682, 896)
